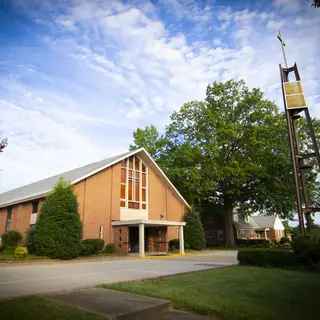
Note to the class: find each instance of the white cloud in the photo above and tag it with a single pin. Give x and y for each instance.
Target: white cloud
(275, 25)
(217, 42)
(115, 66)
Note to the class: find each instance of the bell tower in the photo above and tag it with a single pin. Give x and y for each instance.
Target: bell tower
(295, 104)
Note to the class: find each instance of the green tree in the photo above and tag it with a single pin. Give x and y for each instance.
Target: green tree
(232, 150)
(242, 148)
(193, 231)
(150, 139)
(59, 229)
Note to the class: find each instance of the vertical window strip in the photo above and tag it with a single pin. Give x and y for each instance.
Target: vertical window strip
(133, 184)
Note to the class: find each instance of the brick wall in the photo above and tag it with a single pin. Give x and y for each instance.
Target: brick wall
(157, 241)
(20, 218)
(121, 238)
(163, 201)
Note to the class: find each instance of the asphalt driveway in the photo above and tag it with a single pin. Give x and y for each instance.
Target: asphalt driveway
(36, 278)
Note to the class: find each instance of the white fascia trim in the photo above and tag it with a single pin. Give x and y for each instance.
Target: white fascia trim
(147, 222)
(170, 183)
(35, 196)
(43, 193)
(129, 155)
(107, 165)
(28, 198)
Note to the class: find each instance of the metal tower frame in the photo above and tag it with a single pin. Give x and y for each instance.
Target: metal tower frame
(299, 161)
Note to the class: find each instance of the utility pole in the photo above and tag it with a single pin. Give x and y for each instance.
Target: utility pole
(294, 103)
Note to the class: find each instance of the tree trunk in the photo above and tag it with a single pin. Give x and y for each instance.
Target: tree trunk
(228, 213)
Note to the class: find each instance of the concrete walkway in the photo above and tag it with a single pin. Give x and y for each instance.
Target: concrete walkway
(122, 305)
(35, 279)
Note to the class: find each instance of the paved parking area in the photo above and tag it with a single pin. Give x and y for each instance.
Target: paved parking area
(32, 279)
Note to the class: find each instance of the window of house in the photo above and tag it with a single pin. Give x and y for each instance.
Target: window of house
(134, 183)
(209, 233)
(35, 205)
(252, 233)
(101, 232)
(210, 219)
(258, 235)
(242, 234)
(280, 233)
(8, 222)
(220, 234)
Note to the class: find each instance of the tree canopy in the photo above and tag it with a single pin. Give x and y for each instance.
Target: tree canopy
(232, 150)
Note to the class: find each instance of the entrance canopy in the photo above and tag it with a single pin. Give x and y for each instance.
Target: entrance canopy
(147, 222)
(142, 223)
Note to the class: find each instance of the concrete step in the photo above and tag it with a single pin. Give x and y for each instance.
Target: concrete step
(114, 304)
(180, 315)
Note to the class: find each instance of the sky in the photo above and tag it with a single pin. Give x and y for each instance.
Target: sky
(77, 77)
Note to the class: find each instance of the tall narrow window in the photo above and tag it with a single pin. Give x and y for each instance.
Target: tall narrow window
(35, 205)
(133, 193)
(8, 223)
(101, 232)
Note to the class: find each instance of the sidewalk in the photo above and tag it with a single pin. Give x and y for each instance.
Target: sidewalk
(122, 305)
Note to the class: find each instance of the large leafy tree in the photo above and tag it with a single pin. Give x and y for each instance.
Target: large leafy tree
(59, 229)
(231, 150)
(150, 139)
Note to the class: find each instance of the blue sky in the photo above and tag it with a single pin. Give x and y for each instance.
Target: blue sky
(78, 76)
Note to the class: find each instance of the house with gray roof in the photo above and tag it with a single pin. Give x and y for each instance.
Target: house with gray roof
(251, 227)
(259, 227)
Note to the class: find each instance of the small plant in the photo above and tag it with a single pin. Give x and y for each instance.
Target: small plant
(20, 252)
(11, 239)
(284, 240)
(9, 249)
(87, 249)
(98, 244)
(30, 240)
(110, 248)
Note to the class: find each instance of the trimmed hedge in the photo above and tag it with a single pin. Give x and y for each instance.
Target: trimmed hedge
(255, 242)
(174, 244)
(59, 229)
(11, 239)
(87, 249)
(98, 244)
(267, 258)
(307, 250)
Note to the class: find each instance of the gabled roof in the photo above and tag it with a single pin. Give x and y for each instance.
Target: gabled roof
(250, 224)
(265, 221)
(256, 222)
(41, 188)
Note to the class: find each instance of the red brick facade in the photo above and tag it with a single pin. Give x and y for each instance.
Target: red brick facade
(99, 205)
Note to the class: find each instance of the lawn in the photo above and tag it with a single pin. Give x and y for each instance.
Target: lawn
(38, 308)
(237, 293)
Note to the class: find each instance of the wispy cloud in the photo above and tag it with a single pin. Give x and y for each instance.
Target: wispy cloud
(76, 77)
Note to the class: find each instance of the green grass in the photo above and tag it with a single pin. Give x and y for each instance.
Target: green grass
(6, 256)
(38, 308)
(237, 293)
